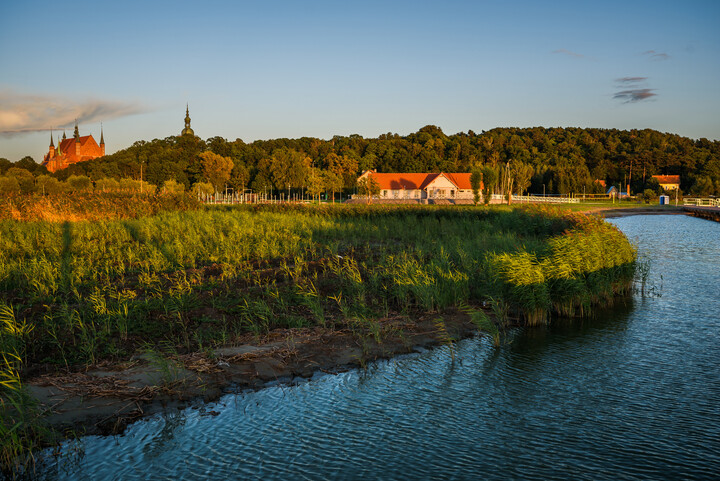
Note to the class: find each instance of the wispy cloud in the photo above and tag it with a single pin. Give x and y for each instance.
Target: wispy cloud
(569, 53)
(633, 90)
(654, 55)
(634, 95)
(627, 80)
(20, 113)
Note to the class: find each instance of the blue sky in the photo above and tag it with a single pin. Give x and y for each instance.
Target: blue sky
(278, 68)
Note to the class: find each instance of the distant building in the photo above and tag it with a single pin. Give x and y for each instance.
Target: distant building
(601, 182)
(668, 182)
(74, 150)
(614, 192)
(421, 187)
(187, 130)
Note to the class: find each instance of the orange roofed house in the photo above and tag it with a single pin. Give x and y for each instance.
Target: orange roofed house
(72, 151)
(668, 182)
(423, 187)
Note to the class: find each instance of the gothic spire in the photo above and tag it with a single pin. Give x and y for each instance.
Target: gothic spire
(52, 144)
(64, 136)
(102, 139)
(77, 132)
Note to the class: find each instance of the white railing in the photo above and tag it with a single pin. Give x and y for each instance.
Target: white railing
(539, 199)
(252, 198)
(701, 202)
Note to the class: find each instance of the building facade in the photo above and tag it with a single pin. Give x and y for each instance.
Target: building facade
(422, 187)
(668, 182)
(73, 150)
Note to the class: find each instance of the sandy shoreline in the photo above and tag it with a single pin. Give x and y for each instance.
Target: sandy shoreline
(105, 400)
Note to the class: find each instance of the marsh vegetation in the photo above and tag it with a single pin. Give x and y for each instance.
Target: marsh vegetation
(76, 294)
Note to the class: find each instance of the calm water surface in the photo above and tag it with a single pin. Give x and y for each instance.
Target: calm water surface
(631, 394)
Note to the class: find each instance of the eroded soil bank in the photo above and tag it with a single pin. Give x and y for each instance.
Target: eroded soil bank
(105, 399)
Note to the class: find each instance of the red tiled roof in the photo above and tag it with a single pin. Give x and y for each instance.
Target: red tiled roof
(89, 149)
(667, 179)
(461, 180)
(393, 181)
(397, 181)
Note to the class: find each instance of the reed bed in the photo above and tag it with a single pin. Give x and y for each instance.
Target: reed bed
(79, 206)
(185, 280)
(93, 290)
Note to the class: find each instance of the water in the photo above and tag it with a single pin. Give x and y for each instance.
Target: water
(631, 394)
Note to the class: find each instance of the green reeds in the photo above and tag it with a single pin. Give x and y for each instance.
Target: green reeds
(21, 427)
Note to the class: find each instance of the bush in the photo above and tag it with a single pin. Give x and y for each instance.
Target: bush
(79, 183)
(107, 185)
(9, 185)
(47, 185)
(203, 188)
(25, 179)
(649, 195)
(172, 187)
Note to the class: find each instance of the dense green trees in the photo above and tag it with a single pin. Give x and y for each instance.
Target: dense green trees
(556, 160)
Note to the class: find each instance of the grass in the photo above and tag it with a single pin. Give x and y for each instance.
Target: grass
(186, 280)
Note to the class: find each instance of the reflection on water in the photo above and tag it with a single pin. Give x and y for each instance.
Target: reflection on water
(631, 393)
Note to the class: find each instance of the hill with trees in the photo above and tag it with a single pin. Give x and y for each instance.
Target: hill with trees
(558, 160)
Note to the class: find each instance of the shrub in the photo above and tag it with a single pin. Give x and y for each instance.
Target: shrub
(47, 185)
(79, 183)
(200, 188)
(9, 185)
(172, 187)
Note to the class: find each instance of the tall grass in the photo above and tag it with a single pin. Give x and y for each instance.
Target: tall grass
(93, 289)
(20, 422)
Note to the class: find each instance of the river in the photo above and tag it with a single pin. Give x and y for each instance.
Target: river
(633, 393)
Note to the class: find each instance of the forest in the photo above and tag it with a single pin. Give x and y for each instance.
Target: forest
(555, 160)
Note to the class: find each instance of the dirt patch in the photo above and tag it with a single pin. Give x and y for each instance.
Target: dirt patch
(105, 401)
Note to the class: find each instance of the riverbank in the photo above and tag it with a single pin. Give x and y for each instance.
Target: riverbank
(104, 400)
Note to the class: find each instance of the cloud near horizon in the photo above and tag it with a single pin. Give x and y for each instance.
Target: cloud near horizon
(23, 113)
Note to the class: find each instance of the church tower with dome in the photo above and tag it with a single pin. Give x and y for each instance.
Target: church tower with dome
(187, 130)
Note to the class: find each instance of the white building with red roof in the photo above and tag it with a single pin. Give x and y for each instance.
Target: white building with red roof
(422, 186)
(668, 182)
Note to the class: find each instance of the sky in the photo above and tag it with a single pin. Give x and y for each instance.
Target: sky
(288, 68)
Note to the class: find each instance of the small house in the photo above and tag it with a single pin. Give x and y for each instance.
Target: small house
(668, 182)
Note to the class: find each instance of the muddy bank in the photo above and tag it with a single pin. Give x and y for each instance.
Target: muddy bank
(104, 400)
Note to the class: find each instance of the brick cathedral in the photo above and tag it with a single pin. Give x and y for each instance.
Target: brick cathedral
(72, 151)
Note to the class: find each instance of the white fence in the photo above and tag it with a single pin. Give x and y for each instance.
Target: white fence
(252, 198)
(538, 199)
(701, 202)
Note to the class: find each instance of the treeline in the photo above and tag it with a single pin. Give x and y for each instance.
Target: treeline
(557, 160)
